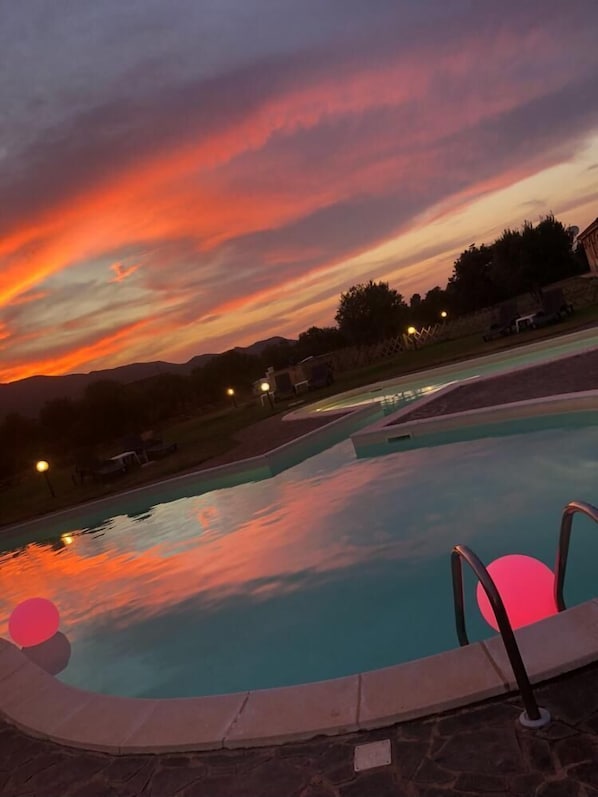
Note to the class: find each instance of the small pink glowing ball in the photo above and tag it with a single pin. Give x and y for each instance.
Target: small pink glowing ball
(526, 587)
(33, 621)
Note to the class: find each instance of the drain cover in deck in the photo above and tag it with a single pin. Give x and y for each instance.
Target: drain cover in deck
(374, 754)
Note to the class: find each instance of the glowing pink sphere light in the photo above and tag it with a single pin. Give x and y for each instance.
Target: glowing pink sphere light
(526, 587)
(33, 621)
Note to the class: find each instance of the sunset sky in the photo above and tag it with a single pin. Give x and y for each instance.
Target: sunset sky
(184, 176)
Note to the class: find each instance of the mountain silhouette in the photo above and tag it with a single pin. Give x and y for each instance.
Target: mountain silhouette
(27, 396)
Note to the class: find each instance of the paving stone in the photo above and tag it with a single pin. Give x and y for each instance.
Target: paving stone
(219, 787)
(575, 701)
(19, 749)
(557, 730)
(478, 719)
(51, 779)
(303, 749)
(234, 761)
(176, 760)
(272, 779)
(526, 784)
(586, 773)
(170, 781)
(340, 774)
(416, 731)
(492, 751)
(478, 783)
(123, 768)
(560, 788)
(375, 784)
(537, 752)
(408, 757)
(430, 772)
(590, 724)
(576, 749)
(437, 746)
(318, 790)
(336, 763)
(95, 788)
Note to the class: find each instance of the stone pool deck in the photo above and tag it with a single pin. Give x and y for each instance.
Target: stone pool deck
(474, 751)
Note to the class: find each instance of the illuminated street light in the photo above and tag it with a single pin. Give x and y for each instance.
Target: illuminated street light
(443, 314)
(230, 391)
(265, 388)
(43, 467)
(411, 332)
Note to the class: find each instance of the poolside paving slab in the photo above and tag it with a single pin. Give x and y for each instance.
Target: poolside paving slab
(185, 724)
(478, 750)
(427, 686)
(293, 713)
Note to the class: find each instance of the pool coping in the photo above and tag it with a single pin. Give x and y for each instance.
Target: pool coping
(453, 427)
(43, 706)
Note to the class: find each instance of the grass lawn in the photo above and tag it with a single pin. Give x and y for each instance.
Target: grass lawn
(202, 437)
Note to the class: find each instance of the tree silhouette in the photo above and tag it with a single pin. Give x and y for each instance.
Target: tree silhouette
(371, 311)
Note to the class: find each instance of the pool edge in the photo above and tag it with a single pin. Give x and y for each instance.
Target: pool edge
(44, 707)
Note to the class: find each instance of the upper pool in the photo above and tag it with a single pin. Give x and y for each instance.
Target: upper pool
(333, 566)
(405, 388)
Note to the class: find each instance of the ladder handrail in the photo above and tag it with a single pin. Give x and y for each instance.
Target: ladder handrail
(562, 555)
(462, 552)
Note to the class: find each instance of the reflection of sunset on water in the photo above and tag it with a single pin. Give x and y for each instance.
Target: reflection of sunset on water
(97, 577)
(333, 566)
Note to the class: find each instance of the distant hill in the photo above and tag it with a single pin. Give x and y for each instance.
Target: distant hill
(27, 396)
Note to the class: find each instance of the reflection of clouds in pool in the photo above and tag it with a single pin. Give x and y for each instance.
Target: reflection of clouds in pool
(328, 520)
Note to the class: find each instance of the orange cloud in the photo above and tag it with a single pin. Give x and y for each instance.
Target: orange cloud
(215, 189)
(121, 272)
(78, 357)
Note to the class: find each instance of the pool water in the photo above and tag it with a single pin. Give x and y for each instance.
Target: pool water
(332, 567)
(395, 393)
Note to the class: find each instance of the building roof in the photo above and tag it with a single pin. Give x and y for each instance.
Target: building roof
(592, 227)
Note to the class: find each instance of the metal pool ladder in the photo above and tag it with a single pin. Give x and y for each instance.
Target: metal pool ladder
(533, 716)
(562, 555)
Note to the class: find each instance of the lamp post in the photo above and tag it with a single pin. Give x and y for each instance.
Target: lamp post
(230, 391)
(42, 467)
(411, 331)
(265, 388)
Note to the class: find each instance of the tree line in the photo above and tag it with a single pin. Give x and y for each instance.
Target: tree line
(517, 262)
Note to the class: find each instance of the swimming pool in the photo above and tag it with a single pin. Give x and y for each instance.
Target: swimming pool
(333, 566)
(395, 392)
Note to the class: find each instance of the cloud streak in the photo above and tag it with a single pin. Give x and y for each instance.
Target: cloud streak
(218, 192)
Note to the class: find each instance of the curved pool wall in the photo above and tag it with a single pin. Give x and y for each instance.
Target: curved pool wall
(421, 383)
